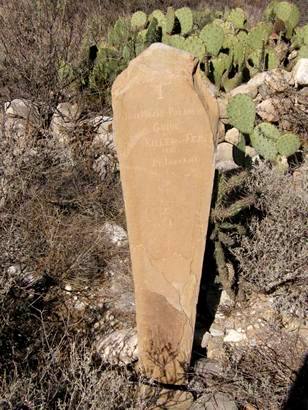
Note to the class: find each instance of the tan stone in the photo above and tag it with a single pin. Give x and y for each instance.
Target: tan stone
(233, 136)
(165, 124)
(268, 110)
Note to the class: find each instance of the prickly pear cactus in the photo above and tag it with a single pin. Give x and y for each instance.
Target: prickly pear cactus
(120, 33)
(238, 18)
(65, 72)
(242, 113)
(253, 62)
(259, 35)
(288, 144)
(153, 33)
(218, 66)
(213, 37)
(161, 19)
(264, 139)
(289, 14)
(300, 36)
(176, 41)
(185, 17)
(170, 20)
(201, 18)
(268, 12)
(229, 83)
(194, 45)
(271, 59)
(303, 52)
(139, 20)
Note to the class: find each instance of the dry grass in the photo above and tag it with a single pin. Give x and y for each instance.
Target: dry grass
(273, 258)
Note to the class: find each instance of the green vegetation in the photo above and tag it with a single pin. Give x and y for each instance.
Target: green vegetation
(227, 48)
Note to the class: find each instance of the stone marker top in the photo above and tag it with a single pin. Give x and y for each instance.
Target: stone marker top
(158, 58)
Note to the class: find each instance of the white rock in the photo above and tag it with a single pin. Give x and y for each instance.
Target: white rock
(300, 72)
(278, 79)
(258, 79)
(224, 157)
(22, 109)
(205, 339)
(292, 55)
(216, 332)
(233, 336)
(233, 136)
(115, 233)
(14, 270)
(248, 89)
(105, 164)
(64, 120)
(119, 347)
(68, 288)
(225, 299)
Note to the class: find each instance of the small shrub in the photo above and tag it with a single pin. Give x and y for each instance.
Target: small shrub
(273, 257)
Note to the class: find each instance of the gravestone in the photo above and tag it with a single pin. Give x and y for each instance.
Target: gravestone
(165, 123)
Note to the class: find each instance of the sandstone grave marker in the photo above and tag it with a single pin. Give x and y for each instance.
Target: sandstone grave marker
(165, 123)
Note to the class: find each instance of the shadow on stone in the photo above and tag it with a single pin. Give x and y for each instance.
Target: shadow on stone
(208, 300)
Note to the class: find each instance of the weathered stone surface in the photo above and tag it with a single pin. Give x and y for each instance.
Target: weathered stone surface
(258, 79)
(248, 89)
(233, 136)
(278, 80)
(165, 124)
(268, 110)
(119, 347)
(300, 72)
(115, 233)
(216, 401)
(64, 120)
(23, 109)
(224, 157)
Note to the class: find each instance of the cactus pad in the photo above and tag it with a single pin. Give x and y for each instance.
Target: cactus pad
(120, 33)
(303, 52)
(220, 65)
(242, 113)
(161, 19)
(185, 17)
(139, 20)
(238, 18)
(213, 37)
(289, 14)
(230, 83)
(170, 20)
(271, 59)
(153, 33)
(264, 139)
(288, 144)
(253, 62)
(259, 36)
(195, 46)
(177, 41)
